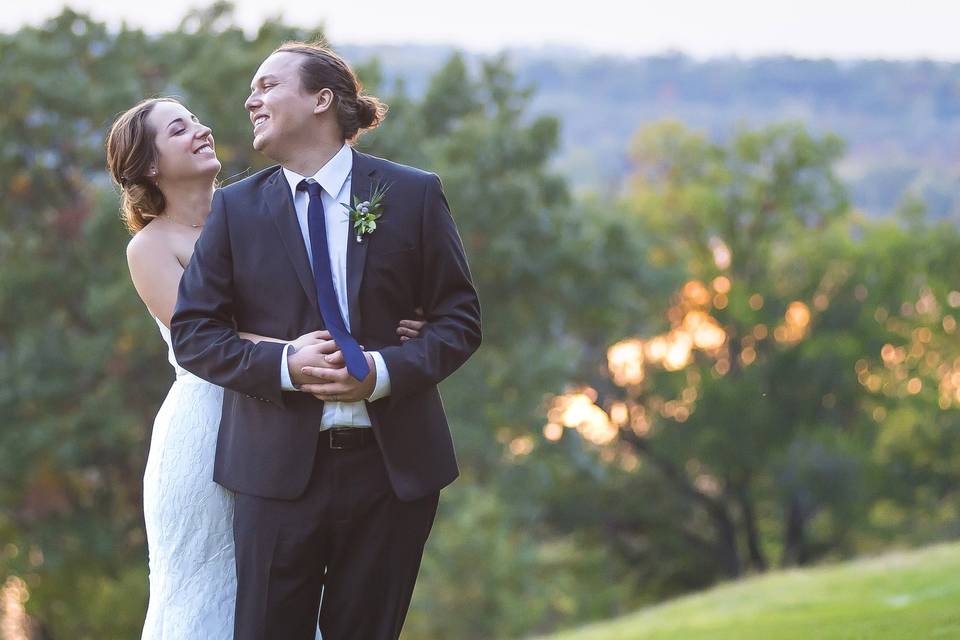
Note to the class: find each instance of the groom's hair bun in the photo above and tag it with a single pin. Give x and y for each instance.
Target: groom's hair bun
(131, 150)
(323, 68)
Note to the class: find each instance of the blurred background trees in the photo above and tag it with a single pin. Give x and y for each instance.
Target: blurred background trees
(714, 367)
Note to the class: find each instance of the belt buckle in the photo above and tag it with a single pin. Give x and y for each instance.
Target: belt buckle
(350, 437)
(333, 432)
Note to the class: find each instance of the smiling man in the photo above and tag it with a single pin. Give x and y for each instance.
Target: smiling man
(337, 453)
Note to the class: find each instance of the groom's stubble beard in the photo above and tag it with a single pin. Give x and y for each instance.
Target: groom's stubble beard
(287, 147)
(283, 138)
(261, 143)
(268, 148)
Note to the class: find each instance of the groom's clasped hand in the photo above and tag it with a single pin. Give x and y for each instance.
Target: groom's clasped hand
(317, 365)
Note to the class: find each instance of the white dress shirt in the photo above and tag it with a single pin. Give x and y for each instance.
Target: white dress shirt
(334, 177)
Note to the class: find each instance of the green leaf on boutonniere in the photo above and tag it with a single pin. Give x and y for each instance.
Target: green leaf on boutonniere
(364, 214)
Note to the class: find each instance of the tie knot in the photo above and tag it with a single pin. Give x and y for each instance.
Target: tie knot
(311, 186)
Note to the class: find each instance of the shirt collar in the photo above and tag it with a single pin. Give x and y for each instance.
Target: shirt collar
(331, 176)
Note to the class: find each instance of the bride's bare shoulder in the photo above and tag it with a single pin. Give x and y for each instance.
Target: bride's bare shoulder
(149, 245)
(158, 246)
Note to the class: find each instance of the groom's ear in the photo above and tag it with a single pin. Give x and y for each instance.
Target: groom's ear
(324, 100)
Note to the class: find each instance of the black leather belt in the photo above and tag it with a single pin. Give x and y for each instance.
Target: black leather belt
(349, 437)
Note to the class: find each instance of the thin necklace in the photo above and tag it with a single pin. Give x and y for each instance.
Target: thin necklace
(186, 224)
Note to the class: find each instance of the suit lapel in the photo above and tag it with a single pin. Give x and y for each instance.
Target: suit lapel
(280, 209)
(362, 176)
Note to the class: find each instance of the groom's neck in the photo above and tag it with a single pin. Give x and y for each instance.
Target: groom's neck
(310, 159)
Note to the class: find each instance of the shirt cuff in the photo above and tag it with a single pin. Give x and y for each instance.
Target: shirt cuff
(286, 383)
(382, 387)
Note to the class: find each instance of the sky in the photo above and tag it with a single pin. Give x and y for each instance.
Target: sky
(844, 29)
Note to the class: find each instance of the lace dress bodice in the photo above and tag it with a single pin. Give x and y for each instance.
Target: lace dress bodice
(182, 374)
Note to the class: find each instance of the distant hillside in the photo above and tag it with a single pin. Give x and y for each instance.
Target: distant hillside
(901, 120)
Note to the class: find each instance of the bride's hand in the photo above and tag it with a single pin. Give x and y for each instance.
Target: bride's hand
(411, 328)
(407, 329)
(314, 337)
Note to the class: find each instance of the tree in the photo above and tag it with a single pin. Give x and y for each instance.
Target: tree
(82, 370)
(743, 419)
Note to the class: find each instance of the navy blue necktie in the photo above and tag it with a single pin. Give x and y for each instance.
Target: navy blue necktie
(326, 297)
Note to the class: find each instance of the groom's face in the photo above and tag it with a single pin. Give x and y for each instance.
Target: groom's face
(281, 113)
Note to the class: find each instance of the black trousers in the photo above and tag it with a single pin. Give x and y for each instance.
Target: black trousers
(347, 537)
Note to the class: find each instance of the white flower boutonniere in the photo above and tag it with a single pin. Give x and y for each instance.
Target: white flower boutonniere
(364, 215)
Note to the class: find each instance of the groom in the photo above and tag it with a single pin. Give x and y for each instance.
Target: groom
(337, 452)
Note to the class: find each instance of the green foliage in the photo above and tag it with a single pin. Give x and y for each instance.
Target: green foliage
(778, 446)
(811, 446)
(83, 372)
(86, 371)
(505, 578)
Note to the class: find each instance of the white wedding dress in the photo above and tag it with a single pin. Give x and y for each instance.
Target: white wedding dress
(189, 517)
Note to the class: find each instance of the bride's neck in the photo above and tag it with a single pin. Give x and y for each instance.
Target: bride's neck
(188, 202)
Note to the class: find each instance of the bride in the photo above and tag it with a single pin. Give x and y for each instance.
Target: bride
(164, 161)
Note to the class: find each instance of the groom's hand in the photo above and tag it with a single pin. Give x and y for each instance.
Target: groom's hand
(337, 385)
(315, 357)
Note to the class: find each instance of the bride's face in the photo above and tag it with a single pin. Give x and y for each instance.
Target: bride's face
(184, 145)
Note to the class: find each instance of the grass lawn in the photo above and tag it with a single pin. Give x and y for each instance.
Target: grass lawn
(910, 595)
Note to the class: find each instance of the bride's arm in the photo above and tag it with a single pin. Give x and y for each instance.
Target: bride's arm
(156, 271)
(308, 338)
(407, 329)
(254, 338)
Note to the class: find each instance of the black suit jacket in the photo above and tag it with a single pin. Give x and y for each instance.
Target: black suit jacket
(250, 272)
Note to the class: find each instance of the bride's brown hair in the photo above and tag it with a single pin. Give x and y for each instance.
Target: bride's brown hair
(131, 150)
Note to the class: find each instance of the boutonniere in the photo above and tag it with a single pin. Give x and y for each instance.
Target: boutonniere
(364, 215)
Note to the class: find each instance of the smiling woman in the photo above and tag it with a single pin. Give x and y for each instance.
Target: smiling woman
(156, 143)
(164, 161)
(131, 152)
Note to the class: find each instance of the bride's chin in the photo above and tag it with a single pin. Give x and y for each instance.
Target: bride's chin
(209, 165)
(208, 172)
